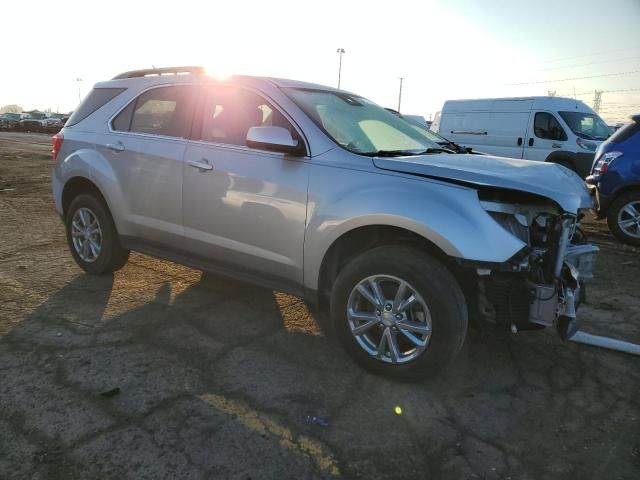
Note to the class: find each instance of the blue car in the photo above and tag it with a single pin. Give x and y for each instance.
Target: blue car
(615, 181)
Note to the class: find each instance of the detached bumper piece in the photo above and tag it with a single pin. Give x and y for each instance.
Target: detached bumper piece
(556, 306)
(605, 342)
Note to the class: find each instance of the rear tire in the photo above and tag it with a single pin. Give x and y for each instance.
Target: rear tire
(623, 218)
(92, 236)
(437, 318)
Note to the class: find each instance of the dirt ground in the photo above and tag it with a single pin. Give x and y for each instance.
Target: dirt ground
(216, 377)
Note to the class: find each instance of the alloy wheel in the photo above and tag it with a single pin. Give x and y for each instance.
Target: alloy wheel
(389, 319)
(629, 219)
(86, 234)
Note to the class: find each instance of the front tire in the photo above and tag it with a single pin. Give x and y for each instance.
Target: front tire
(399, 312)
(92, 236)
(623, 218)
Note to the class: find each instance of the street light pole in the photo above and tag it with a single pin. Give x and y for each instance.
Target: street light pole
(400, 94)
(340, 51)
(79, 80)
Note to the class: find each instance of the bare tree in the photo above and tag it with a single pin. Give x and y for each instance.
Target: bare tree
(11, 109)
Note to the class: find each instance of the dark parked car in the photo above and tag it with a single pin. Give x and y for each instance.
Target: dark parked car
(33, 122)
(54, 122)
(9, 121)
(615, 181)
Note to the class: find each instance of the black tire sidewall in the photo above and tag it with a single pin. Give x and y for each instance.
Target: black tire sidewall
(612, 217)
(438, 288)
(110, 244)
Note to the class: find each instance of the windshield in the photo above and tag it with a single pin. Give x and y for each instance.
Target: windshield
(586, 125)
(359, 125)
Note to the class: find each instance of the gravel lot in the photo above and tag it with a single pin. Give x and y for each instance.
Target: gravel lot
(216, 377)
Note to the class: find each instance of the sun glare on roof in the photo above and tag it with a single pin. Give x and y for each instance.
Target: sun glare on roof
(216, 73)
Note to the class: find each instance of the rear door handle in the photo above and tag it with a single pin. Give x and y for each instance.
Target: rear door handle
(115, 147)
(202, 166)
(519, 141)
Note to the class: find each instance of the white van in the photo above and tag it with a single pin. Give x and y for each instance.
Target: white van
(548, 129)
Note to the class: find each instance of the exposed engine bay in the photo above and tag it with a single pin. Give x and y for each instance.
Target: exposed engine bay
(543, 284)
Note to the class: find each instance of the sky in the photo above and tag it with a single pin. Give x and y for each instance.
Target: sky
(443, 49)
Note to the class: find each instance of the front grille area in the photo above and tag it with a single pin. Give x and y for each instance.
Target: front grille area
(511, 299)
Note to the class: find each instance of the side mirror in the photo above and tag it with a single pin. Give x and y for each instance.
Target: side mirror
(274, 139)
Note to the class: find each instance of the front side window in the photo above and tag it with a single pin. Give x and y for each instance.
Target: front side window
(359, 125)
(230, 113)
(546, 126)
(586, 125)
(166, 111)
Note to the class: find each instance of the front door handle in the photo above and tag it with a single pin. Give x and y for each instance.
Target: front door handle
(531, 142)
(203, 166)
(115, 147)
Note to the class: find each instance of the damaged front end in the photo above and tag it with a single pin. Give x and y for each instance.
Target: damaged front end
(543, 284)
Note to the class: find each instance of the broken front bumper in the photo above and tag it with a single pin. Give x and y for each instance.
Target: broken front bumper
(556, 304)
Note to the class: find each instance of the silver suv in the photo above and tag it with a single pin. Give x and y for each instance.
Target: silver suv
(321, 193)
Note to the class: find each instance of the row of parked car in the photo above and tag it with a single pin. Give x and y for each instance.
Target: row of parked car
(33, 121)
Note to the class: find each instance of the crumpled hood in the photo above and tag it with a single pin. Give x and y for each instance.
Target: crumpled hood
(546, 179)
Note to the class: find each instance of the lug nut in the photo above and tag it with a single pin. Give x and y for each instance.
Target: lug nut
(398, 316)
(387, 307)
(378, 312)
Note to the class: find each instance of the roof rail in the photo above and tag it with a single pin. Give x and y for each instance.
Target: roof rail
(159, 71)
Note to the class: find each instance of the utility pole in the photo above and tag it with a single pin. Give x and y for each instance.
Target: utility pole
(340, 52)
(597, 101)
(400, 94)
(79, 80)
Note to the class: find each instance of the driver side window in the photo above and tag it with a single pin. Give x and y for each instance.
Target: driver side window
(230, 113)
(546, 126)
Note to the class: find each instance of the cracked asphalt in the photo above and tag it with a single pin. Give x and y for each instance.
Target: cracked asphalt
(217, 377)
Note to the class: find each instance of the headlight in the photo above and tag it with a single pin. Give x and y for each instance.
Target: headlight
(586, 145)
(603, 162)
(515, 224)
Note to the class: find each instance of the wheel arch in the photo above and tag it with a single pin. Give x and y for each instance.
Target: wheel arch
(76, 186)
(363, 238)
(562, 156)
(624, 189)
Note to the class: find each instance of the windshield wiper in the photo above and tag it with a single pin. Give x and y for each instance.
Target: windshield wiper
(438, 150)
(588, 137)
(395, 153)
(407, 153)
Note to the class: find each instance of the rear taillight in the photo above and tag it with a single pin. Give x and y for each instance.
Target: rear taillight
(56, 143)
(603, 162)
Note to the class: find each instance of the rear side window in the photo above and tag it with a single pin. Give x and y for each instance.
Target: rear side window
(546, 126)
(96, 99)
(625, 132)
(166, 111)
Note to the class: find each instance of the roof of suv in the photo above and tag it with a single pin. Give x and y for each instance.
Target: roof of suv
(186, 75)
